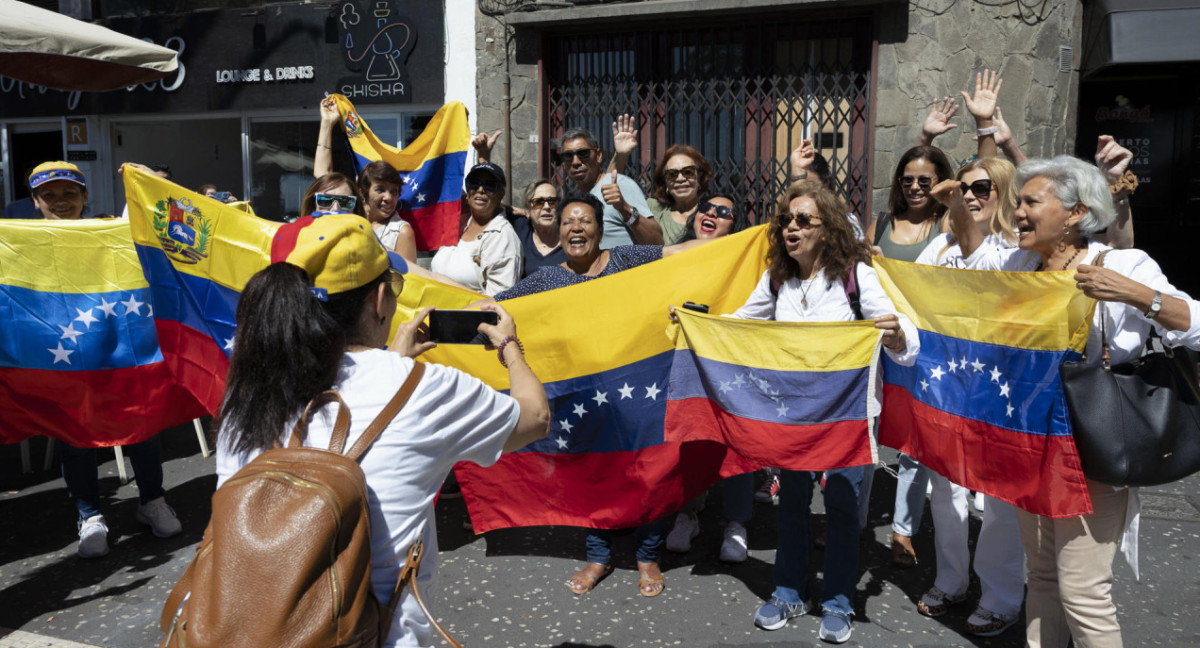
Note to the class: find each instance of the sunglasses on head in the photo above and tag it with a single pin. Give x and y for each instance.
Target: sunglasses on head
(688, 173)
(923, 182)
(327, 202)
(488, 186)
(720, 211)
(538, 203)
(981, 188)
(565, 155)
(803, 219)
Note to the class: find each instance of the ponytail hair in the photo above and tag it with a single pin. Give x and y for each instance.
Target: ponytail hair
(288, 349)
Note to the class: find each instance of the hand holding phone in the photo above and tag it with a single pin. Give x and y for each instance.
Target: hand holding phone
(460, 326)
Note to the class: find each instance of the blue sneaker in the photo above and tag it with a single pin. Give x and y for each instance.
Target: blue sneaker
(835, 626)
(774, 614)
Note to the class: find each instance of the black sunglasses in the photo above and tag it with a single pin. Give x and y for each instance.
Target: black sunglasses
(720, 211)
(489, 186)
(803, 219)
(688, 172)
(981, 188)
(923, 182)
(325, 202)
(537, 203)
(565, 155)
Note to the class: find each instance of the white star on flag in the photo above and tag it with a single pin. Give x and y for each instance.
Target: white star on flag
(1004, 389)
(421, 198)
(739, 381)
(626, 391)
(600, 397)
(86, 317)
(579, 410)
(977, 365)
(995, 374)
(652, 392)
(782, 409)
(1008, 409)
(61, 354)
(566, 425)
(724, 386)
(562, 443)
(229, 344)
(109, 308)
(924, 385)
(937, 373)
(70, 332)
(132, 305)
(963, 363)
(953, 365)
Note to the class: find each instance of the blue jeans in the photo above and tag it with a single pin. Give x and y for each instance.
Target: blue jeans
(841, 537)
(649, 540)
(911, 483)
(83, 479)
(737, 499)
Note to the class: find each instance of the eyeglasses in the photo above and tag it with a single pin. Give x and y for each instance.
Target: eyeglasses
(688, 172)
(565, 155)
(326, 202)
(803, 219)
(720, 211)
(982, 188)
(538, 203)
(396, 282)
(923, 182)
(489, 187)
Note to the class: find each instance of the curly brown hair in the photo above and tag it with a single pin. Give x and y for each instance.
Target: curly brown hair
(703, 173)
(840, 249)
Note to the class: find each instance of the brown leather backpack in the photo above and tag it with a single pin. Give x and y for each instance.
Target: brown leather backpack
(286, 557)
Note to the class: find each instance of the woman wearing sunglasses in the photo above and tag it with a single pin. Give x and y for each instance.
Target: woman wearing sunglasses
(990, 198)
(679, 180)
(813, 251)
(331, 193)
(536, 229)
(488, 257)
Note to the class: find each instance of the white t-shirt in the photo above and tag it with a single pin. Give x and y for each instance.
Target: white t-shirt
(937, 253)
(451, 417)
(489, 264)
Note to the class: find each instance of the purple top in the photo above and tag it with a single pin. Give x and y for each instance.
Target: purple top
(622, 257)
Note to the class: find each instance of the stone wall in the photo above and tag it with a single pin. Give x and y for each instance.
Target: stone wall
(927, 49)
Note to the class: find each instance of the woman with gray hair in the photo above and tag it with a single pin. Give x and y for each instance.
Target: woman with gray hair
(536, 228)
(1062, 203)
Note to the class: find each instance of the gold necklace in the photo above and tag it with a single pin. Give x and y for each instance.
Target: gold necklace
(804, 292)
(1067, 264)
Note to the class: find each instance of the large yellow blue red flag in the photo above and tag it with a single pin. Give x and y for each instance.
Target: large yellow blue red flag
(984, 404)
(79, 358)
(793, 395)
(601, 350)
(432, 169)
(196, 254)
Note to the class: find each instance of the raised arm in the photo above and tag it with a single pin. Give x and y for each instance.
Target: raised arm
(1113, 160)
(1004, 139)
(800, 160)
(624, 142)
(937, 122)
(949, 193)
(483, 144)
(633, 209)
(323, 159)
(982, 106)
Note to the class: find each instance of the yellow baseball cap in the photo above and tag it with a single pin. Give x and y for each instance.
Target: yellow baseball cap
(339, 251)
(57, 170)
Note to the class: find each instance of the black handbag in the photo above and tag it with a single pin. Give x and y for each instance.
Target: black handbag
(1138, 423)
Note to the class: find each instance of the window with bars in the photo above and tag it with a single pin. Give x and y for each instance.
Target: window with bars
(743, 93)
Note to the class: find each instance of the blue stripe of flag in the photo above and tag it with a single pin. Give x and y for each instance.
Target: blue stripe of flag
(437, 180)
(195, 302)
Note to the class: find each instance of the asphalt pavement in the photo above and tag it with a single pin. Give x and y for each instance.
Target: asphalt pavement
(508, 587)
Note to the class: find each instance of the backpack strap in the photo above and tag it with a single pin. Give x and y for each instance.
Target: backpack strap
(850, 284)
(881, 224)
(386, 415)
(408, 576)
(340, 428)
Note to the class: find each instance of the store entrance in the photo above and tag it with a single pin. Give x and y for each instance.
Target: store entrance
(29, 146)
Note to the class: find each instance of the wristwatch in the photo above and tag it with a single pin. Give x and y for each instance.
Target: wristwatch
(633, 215)
(1155, 305)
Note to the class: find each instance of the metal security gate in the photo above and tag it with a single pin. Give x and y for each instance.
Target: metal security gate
(743, 93)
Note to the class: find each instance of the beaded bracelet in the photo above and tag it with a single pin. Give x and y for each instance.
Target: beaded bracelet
(503, 343)
(1128, 182)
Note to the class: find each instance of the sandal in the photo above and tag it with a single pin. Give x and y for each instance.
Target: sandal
(903, 555)
(650, 579)
(985, 623)
(588, 577)
(935, 603)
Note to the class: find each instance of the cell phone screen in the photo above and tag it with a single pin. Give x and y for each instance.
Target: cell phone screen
(459, 326)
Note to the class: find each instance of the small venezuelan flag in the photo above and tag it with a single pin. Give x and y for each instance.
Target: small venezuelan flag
(432, 168)
(79, 358)
(782, 394)
(984, 405)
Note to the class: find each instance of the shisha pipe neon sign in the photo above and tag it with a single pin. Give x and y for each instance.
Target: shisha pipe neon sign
(376, 46)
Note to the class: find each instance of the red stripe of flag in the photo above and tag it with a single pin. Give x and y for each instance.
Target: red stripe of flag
(195, 360)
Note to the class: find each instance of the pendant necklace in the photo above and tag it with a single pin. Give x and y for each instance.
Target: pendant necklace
(804, 293)
(1069, 261)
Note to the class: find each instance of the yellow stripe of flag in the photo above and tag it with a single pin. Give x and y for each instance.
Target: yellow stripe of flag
(447, 132)
(87, 256)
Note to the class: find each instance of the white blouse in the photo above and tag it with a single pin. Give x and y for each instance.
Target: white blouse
(390, 232)
(489, 264)
(942, 253)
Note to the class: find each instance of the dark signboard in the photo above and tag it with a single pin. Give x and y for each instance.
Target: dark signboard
(283, 56)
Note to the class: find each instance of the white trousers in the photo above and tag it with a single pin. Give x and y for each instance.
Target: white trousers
(999, 555)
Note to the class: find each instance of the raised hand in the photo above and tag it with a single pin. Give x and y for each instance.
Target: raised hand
(625, 136)
(948, 192)
(483, 144)
(329, 110)
(982, 105)
(802, 157)
(938, 121)
(1112, 158)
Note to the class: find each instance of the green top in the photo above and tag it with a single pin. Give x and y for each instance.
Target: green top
(905, 252)
(672, 232)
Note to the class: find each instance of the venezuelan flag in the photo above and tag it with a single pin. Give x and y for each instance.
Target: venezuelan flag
(432, 168)
(783, 394)
(196, 254)
(984, 405)
(79, 358)
(600, 350)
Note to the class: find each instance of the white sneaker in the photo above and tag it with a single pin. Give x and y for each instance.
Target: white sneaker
(733, 549)
(160, 517)
(93, 537)
(687, 526)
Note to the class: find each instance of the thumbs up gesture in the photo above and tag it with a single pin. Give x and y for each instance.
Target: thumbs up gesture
(612, 196)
